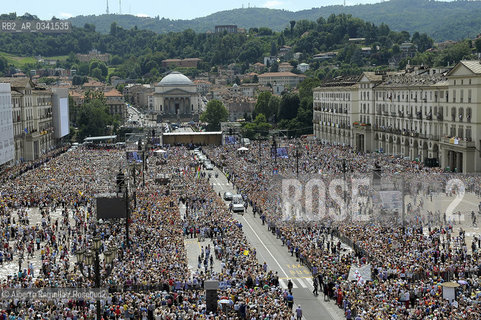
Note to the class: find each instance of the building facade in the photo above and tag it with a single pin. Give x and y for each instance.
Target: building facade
(116, 104)
(176, 98)
(32, 119)
(93, 55)
(285, 79)
(7, 144)
(336, 107)
(138, 94)
(429, 115)
(182, 63)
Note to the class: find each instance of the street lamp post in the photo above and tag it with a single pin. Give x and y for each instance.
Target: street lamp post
(91, 258)
(274, 149)
(122, 187)
(297, 158)
(344, 171)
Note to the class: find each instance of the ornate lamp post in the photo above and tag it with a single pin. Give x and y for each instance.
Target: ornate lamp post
(298, 154)
(90, 260)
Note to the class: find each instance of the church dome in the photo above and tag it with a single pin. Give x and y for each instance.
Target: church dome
(175, 79)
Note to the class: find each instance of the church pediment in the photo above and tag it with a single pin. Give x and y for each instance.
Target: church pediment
(177, 91)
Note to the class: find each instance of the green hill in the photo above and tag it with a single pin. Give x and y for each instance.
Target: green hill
(441, 20)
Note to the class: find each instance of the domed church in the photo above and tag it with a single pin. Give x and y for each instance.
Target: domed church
(176, 98)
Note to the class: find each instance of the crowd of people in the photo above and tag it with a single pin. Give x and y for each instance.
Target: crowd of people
(409, 262)
(48, 213)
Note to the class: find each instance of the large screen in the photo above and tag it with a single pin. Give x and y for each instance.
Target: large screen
(7, 146)
(60, 112)
(111, 208)
(64, 117)
(281, 152)
(134, 156)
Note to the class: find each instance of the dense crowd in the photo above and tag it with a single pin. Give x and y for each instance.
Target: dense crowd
(48, 213)
(408, 264)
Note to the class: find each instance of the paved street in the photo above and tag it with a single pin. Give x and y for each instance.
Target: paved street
(270, 250)
(194, 249)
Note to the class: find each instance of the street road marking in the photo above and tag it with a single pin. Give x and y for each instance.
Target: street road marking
(263, 244)
(296, 283)
(304, 283)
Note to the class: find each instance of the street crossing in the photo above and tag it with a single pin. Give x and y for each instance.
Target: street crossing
(297, 283)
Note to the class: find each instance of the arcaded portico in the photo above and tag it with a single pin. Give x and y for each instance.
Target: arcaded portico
(176, 97)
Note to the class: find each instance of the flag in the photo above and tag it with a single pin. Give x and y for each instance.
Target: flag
(26, 130)
(198, 172)
(360, 274)
(360, 280)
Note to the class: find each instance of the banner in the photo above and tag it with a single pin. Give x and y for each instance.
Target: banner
(391, 200)
(360, 274)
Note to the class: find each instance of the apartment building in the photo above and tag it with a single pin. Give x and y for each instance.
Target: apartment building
(286, 79)
(429, 115)
(116, 104)
(32, 119)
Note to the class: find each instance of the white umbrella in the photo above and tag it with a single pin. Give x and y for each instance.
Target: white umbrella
(160, 151)
(242, 149)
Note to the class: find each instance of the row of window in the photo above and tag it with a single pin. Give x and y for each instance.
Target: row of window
(402, 96)
(457, 114)
(345, 96)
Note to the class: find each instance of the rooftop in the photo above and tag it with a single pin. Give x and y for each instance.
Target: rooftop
(280, 74)
(175, 78)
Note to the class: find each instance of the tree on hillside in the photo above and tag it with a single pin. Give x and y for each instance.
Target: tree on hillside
(477, 44)
(3, 65)
(288, 106)
(273, 49)
(98, 69)
(292, 23)
(93, 119)
(92, 95)
(259, 127)
(262, 104)
(214, 114)
(274, 103)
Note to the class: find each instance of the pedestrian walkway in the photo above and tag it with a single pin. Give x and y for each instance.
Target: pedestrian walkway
(10, 268)
(194, 248)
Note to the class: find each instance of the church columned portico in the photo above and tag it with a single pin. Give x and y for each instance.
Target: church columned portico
(177, 105)
(176, 97)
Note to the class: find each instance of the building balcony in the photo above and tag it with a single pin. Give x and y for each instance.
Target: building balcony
(463, 143)
(423, 136)
(361, 126)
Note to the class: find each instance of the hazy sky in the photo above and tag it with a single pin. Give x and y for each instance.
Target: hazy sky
(180, 9)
